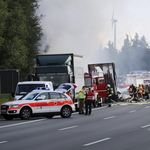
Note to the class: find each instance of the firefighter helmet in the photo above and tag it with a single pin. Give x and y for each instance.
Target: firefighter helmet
(108, 85)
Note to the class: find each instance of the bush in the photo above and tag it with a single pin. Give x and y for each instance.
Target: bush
(5, 98)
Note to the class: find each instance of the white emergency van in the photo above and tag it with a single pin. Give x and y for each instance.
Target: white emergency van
(25, 87)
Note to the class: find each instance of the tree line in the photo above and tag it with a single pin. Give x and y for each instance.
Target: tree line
(20, 35)
(21, 32)
(134, 55)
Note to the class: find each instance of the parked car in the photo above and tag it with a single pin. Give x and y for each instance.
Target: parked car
(39, 102)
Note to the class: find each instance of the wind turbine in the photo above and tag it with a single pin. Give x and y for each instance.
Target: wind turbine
(114, 23)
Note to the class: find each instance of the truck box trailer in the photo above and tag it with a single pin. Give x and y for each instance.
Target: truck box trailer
(61, 68)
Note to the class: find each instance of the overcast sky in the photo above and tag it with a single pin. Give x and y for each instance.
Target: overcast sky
(83, 26)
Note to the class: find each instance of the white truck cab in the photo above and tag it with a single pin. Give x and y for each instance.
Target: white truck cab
(25, 87)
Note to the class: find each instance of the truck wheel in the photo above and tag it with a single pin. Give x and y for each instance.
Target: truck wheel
(25, 113)
(49, 116)
(66, 112)
(100, 104)
(96, 104)
(7, 117)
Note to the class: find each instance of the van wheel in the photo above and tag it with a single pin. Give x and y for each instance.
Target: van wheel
(49, 116)
(7, 117)
(25, 113)
(66, 112)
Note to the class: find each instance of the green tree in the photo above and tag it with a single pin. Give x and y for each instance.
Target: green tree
(124, 57)
(20, 33)
(144, 54)
(134, 55)
(3, 15)
(110, 53)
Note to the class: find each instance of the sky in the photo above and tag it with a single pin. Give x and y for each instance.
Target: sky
(84, 26)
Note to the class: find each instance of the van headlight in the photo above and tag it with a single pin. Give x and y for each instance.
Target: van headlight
(14, 106)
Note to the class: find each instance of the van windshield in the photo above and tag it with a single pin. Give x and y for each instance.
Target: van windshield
(23, 89)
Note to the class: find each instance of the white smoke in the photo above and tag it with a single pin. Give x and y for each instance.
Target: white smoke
(84, 26)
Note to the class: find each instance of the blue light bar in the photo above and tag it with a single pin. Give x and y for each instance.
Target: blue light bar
(42, 88)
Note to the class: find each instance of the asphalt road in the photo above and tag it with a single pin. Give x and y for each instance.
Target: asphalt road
(114, 128)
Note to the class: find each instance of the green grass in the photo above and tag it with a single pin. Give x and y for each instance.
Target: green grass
(5, 98)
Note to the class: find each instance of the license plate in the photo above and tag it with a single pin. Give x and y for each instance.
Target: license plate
(3, 110)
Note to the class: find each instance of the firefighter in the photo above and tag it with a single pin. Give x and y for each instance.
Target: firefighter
(147, 92)
(134, 89)
(130, 91)
(88, 102)
(139, 91)
(109, 95)
(143, 91)
(81, 100)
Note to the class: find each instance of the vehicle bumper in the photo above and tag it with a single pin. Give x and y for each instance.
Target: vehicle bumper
(9, 112)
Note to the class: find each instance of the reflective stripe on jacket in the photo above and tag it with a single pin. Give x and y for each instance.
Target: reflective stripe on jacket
(109, 92)
(143, 89)
(130, 91)
(90, 96)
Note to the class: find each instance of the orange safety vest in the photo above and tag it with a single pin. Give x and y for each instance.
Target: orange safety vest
(130, 91)
(143, 89)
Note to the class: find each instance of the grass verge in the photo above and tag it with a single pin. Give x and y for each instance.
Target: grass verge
(5, 98)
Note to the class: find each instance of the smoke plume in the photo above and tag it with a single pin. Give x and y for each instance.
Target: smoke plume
(84, 26)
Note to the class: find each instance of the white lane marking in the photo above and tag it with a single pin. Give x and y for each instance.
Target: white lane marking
(146, 106)
(3, 142)
(145, 126)
(20, 123)
(132, 111)
(88, 144)
(68, 128)
(43, 119)
(99, 108)
(110, 117)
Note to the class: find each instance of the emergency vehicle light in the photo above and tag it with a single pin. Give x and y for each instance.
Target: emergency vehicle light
(42, 88)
